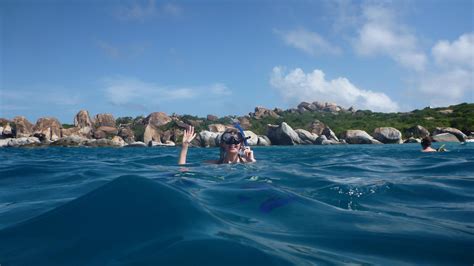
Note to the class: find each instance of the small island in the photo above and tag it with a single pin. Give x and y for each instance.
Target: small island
(313, 123)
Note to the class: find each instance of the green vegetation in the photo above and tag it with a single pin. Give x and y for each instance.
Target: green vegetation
(461, 118)
(136, 124)
(66, 126)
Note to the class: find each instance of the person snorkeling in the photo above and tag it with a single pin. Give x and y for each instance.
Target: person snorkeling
(426, 146)
(231, 145)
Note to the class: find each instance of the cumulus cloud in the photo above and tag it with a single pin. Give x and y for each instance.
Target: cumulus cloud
(458, 53)
(452, 80)
(297, 86)
(308, 41)
(448, 87)
(382, 34)
(126, 90)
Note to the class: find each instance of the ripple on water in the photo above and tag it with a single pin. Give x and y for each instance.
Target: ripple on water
(305, 205)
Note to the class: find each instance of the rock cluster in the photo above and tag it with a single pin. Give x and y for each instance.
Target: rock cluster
(159, 129)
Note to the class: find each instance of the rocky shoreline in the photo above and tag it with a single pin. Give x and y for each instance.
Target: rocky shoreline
(161, 130)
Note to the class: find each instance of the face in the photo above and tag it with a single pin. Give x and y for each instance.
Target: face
(232, 148)
(231, 142)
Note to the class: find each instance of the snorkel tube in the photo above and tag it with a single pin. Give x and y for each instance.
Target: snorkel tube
(441, 149)
(237, 125)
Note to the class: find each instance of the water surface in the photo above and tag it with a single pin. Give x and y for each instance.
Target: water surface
(303, 205)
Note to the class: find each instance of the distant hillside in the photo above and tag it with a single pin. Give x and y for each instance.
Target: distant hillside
(459, 116)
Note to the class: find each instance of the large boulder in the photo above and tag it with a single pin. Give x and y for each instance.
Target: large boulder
(118, 141)
(445, 137)
(212, 118)
(195, 123)
(4, 142)
(330, 135)
(100, 143)
(127, 134)
(168, 143)
(7, 131)
(323, 140)
(47, 129)
(70, 141)
(23, 127)
(82, 119)
(305, 106)
(417, 131)
(358, 137)
(253, 140)
(137, 144)
(176, 135)
(388, 135)
(332, 107)
(153, 123)
(261, 112)
(104, 120)
(319, 105)
(412, 140)
(23, 141)
(306, 136)
(317, 127)
(157, 119)
(244, 122)
(72, 131)
(182, 125)
(104, 127)
(454, 131)
(282, 134)
(216, 127)
(110, 131)
(165, 136)
(151, 134)
(208, 138)
(263, 141)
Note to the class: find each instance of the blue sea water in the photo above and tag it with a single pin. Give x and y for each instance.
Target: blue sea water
(303, 205)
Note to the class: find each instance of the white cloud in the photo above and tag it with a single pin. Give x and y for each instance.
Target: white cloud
(458, 53)
(452, 80)
(450, 87)
(146, 10)
(297, 86)
(308, 41)
(220, 89)
(382, 34)
(126, 90)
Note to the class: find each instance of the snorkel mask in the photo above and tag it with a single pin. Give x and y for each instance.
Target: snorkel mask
(230, 138)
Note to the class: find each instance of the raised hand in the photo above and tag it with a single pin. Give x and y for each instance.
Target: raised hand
(248, 154)
(189, 135)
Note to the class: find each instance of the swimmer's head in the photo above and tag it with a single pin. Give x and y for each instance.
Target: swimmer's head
(426, 142)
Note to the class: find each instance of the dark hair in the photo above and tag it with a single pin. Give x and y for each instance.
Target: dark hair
(426, 142)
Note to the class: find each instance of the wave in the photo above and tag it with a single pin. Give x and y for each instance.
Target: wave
(131, 220)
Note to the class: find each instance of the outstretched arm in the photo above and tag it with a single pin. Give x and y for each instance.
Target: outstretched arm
(188, 136)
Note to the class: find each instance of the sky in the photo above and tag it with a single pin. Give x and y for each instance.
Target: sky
(132, 58)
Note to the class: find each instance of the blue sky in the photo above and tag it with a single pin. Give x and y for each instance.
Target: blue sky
(132, 58)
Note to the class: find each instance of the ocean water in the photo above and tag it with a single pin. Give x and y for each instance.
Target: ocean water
(304, 205)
